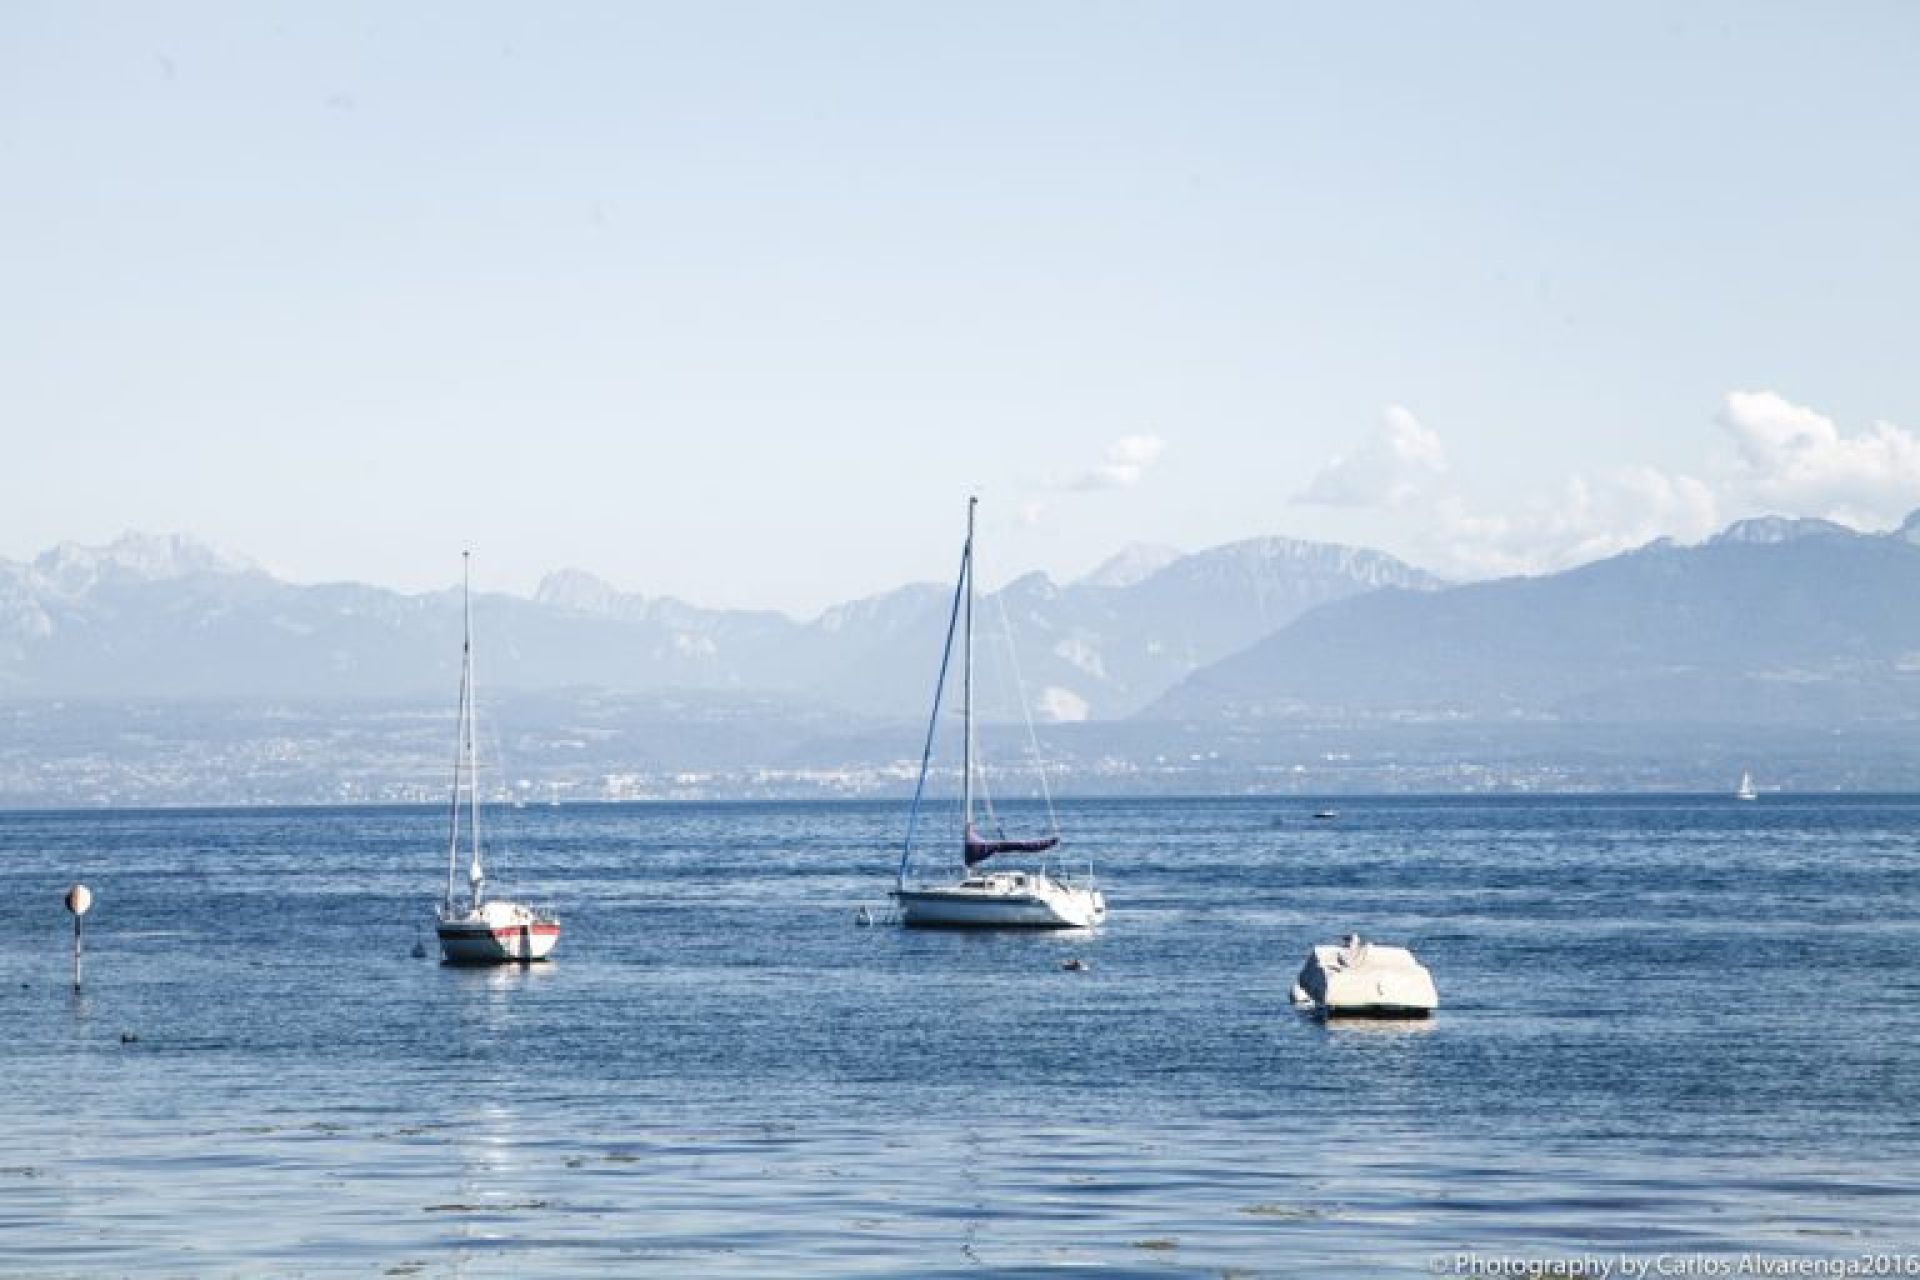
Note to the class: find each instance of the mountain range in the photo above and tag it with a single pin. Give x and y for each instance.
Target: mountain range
(156, 671)
(164, 617)
(1774, 621)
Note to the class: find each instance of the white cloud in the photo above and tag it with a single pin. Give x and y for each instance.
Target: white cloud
(1061, 706)
(1787, 460)
(1127, 461)
(1592, 517)
(1791, 460)
(1402, 468)
(1402, 461)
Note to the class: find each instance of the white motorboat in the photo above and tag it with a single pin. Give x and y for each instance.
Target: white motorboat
(1356, 979)
(1042, 898)
(477, 929)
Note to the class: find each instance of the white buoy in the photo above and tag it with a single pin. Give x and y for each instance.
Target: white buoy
(79, 901)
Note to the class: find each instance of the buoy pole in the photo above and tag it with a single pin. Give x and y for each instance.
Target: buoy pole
(79, 898)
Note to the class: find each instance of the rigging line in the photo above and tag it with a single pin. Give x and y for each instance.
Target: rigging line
(969, 571)
(933, 717)
(502, 853)
(986, 795)
(502, 841)
(463, 729)
(1026, 713)
(459, 764)
(945, 814)
(476, 870)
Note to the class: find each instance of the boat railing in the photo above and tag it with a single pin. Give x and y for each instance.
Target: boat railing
(1067, 877)
(540, 913)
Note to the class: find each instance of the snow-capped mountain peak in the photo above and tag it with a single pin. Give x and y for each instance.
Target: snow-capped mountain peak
(73, 569)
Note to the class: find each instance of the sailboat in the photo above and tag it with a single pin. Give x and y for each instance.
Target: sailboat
(477, 929)
(1036, 899)
(1745, 790)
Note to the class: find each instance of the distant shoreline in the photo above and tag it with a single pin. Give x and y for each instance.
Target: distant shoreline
(1305, 803)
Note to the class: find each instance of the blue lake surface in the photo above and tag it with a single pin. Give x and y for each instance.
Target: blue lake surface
(1669, 1027)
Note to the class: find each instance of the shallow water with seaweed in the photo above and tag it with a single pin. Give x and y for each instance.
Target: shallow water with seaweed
(1681, 1027)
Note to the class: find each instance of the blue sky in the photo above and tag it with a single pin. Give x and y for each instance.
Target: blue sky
(736, 302)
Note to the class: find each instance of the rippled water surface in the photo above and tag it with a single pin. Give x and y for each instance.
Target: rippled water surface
(1669, 1027)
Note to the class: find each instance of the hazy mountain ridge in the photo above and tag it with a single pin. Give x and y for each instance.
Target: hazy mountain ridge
(1772, 621)
(1790, 647)
(1134, 563)
(162, 616)
(71, 569)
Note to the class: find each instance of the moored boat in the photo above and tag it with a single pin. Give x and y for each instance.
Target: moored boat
(1042, 898)
(1356, 979)
(497, 933)
(1003, 900)
(478, 929)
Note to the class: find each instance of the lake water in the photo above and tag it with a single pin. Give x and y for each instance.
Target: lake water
(1683, 1029)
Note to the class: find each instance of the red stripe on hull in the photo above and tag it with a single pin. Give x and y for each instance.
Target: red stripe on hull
(537, 930)
(512, 931)
(469, 943)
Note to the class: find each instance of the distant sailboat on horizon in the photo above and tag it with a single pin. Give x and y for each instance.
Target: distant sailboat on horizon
(1745, 791)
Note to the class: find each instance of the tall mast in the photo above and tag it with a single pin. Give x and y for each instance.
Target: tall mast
(475, 875)
(966, 684)
(459, 761)
(933, 716)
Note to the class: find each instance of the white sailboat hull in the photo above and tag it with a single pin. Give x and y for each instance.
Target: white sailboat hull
(1002, 900)
(497, 933)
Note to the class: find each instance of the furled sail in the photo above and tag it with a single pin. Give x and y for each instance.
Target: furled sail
(979, 850)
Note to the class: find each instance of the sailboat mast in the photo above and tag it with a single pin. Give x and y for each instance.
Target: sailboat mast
(475, 875)
(453, 811)
(933, 715)
(459, 747)
(966, 686)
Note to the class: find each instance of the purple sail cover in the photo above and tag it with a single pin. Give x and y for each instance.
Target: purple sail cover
(978, 850)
